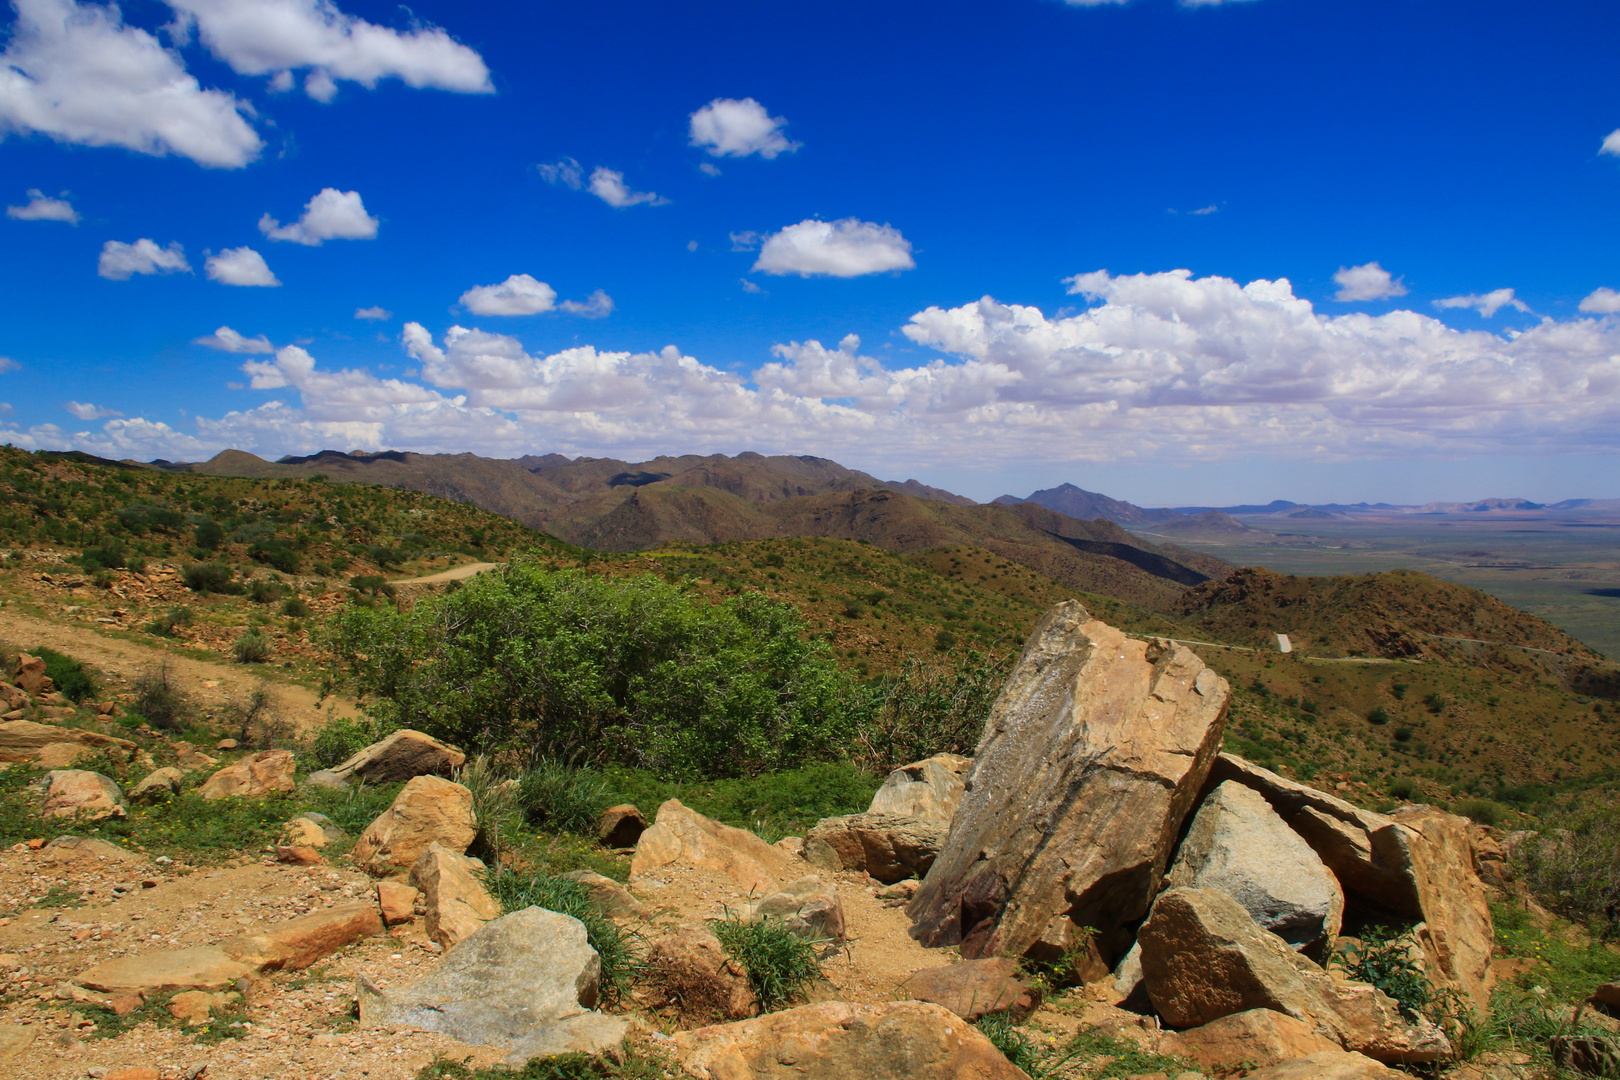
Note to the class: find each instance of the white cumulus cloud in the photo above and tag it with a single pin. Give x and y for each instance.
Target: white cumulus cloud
(729, 127)
(330, 215)
(277, 37)
(609, 186)
(519, 294)
(76, 73)
(1602, 301)
(227, 340)
(85, 411)
(845, 248)
(120, 261)
(1487, 304)
(376, 314)
(595, 306)
(240, 266)
(1611, 143)
(1367, 282)
(41, 207)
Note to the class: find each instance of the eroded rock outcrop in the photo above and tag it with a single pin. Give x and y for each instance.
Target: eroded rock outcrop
(453, 894)
(73, 792)
(401, 756)
(972, 988)
(1093, 756)
(427, 810)
(253, 777)
(900, 834)
(808, 907)
(680, 835)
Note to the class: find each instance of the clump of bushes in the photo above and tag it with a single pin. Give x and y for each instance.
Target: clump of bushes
(71, 678)
(253, 647)
(210, 577)
(559, 799)
(931, 707)
(341, 737)
(158, 701)
(166, 625)
(781, 966)
(1573, 864)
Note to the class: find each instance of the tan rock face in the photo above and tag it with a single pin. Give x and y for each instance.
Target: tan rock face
(302, 832)
(973, 987)
(930, 788)
(401, 756)
(808, 907)
(688, 972)
(196, 1006)
(253, 777)
(70, 792)
(397, 901)
(1329, 1065)
(682, 836)
(24, 740)
(1204, 958)
(427, 810)
(1260, 1037)
(888, 847)
(1457, 932)
(298, 943)
(453, 893)
(1091, 760)
(620, 826)
(615, 899)
(204, 968)
(30, 675)
(898, 1040)
(157, 786)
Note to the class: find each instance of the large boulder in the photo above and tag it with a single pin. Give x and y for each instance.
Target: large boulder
(834, 1040)
(427, 810)
(157, 786)
(888, 847)
(620, 826)
(929, 789)
(1457, 933)
(298, 943)
(401, 756)
(1092, 758)
(1204, 958)
(688, 973)
(1257, 1038)
(526, 983)
(808, 907)
(973, 987)
(1239, 845)
(680, 836)
(453, 894)
(24, 740)
(71, 792)
(1329, 1065)
(253, 777)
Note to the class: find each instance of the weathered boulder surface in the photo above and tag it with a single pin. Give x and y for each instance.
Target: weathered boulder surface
(1093, 756)
(834, 1040)
(24, 740)
(30, 675)
(525, 983)
(253, 777)
(973, 987)
(620, 826)
(1239, 845)
(615, 899)
(689, 972)
(157, 785)
(202, 968)
(1259, 1037)
(680, 835)
(453, 894)
(1329, 1065)
(76, 791)
(1204, 958)
(397, 901)
(808, 907)
(401, 756)
(298, 943)
(1457, 933)
(1594, 1055)
(427, 810)
(929, 789)
(888, 847)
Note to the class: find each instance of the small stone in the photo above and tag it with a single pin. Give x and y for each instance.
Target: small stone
(134, 1072)
(397, 901)
(226, 744)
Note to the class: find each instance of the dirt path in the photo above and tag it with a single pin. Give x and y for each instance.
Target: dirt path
(211, 685)
(455, 573)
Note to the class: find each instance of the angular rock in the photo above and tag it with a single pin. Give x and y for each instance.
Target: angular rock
(76, 791)
(91, 846)
(834, 1040)
(620, 826)
(453, 894)
(303, 832)
(680, 835)
(59, 755)
(401, 756)
(1259, 1037)
(525, 983)
(1607, 995)
(298, 855)
(929, 789)
(1457, 933)
(1239, 845)
(30, 675)
(157, 786)
(326, 778)
(808, 907)
(973, 987)
(688, 971)
(298, 943)
(1593, 1055)
(397, 901)
(888, 847)
(1127, 978)
(1092, 758)
(615, 899)
(253, 777)
(1203, 958)
(196, 1006)
(203, 968)
(1329, 1065)
(427, 810)
(190, 758)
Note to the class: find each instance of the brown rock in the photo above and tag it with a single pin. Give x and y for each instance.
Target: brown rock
(226, 744)
(301, 942)
(30, 675)
(24, 740)
(808, 907)
(1259, 1037)
(68, 847)
(12, 697)
(157, 786)
(297, 855)
(397, 901)
(615, 899)
(1457, 933)
(1329, 1065)
(930, 789)
(1204, 957)
(620, 826)
(124, 1004)
(204, 968)
(133, 1072)
(1092, 758)
(682, 836)
(58, 755)
(888, 847)
(302, 832)
(427, 810)
(75, 791)
(973, 987)
(193, 1006)
(1607, 995)
(834, 1040)
(453, 893)
(253, 777)
(688, 972)
(401, 756)
(189, 757)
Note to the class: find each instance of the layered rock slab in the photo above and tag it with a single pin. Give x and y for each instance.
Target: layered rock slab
(401, 756)
(525, 983)
(900, 834)
(682, 836)
(1094, 754)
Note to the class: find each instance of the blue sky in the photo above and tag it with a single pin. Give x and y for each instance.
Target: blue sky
(997, 200)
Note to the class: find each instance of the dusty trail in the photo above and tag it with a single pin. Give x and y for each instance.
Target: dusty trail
(455, 573)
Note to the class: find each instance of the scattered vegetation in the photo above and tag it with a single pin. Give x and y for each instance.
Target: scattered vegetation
(781, 966)
(1384, 958)
(1573, 866)
(158, 701)
(71, 678)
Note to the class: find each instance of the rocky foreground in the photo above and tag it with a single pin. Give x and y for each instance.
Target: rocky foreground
(1098, 837)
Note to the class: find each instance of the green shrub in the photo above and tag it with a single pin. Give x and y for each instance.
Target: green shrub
(165, 625)
(554, 797)
(71, 678)
(210, 534)
(944, 641)
(341, 737)
(371, 585)
(1435, 702)
(619, 949)
(1384, 960)
(1402, 788)
(1378, 715)
(159, 701)
(107, 556)
(931, 707)
(210, 577)
(1482, 811)
(1573, 865)
(781, 966)
(495, 806)
(252, 648)
(296, 608)
(265, 590)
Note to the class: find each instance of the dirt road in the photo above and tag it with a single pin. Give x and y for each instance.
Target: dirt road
(455, 573)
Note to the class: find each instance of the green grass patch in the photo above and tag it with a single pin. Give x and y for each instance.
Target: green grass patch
(781, 966)
(1571, 971)
(71, 678)
(773, 805)
(223, 1023)
(634, 1064)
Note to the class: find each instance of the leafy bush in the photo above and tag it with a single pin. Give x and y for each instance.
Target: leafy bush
(932, 707)
(944, 641)
(159, 701)
(165, 625)
(341, 737)
(106, 556)
(773, 805)
(71, 678)
(1435, 702)
(555, 797)
(210, 577)
(781, 966)
(296, 608)
(1402, 788)
(571, 666)
(1573, 865)
(1482, 811)
(1383, 959)
(265, 590)
(1378, 715)
(252, 648)
(210, 534)
(619, 949)
(371, 585)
